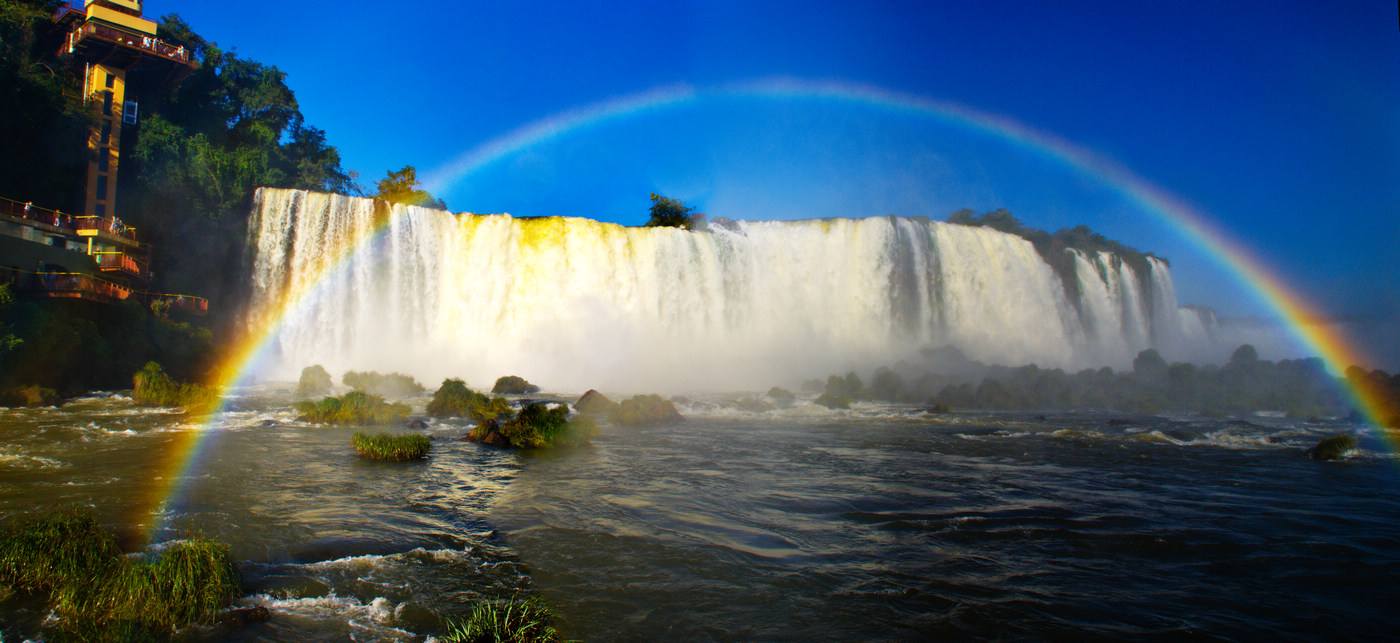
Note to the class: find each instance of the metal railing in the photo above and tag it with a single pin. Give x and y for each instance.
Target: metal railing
(144, 42)
(79, 285)
(66, 221)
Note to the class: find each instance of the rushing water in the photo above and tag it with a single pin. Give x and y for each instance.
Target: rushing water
(882, 522)
(575, 303)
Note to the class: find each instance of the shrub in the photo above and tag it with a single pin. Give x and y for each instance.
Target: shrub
(32, 395)
(314, 381)
(518, 620)
(454, 399)
(152, 387)
(514, 385)
(781, 396)
(355, 407)
(391, 448)
(390, 385)
(537, 426)
(645, 409)
(99, 593)
(833, 401)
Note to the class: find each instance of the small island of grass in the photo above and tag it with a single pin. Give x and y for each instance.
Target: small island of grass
(642, 410)
(151, 386)
(314, 381)
(353, 408)
(536, 426)
(514, 385)
(387, 447)
(388, 385)
(515, 619)
(454, 399)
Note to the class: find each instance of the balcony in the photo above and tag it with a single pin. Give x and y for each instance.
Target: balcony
(108, 227)
(120, 262)
(73, 285)
(113, 45)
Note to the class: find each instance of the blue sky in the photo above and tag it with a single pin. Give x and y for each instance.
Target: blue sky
(1278, 119)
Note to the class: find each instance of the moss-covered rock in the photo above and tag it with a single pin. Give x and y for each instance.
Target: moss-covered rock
(514, 385)
(781, 396)
(644, 410)
(390, 447)
(833, 401)
(536, 426)
(594, 403)
(152, 387)
(389, 385)
(353, 408)
(314, 382)
(31, 395)
(751, 404)
(1333, 448)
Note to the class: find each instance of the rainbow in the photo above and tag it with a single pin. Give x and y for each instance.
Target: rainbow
(1302, 320)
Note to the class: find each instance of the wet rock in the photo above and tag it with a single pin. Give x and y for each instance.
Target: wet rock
(781, 396)
(1332, 448)
(644, 410)
(246, 615)
(752, 405)
(940, 409)
(594, 403)
(514, 385)
(416, 423)
(267, 424)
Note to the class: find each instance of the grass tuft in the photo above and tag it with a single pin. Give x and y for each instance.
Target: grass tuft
(390, 447)
(100, 594)
(516, 620)
(151, 386)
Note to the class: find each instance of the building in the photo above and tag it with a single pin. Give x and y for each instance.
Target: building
(94, 254)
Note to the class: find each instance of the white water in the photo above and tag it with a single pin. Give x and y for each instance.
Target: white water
(573, 303)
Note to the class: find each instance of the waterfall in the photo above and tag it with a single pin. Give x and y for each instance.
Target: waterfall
(574, 303)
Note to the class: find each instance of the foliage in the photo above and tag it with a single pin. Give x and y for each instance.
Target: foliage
(644, 410)
(73, 346)
(1333, 448)
(391, 448)
(516, 620)
(152, 387)
(840, 392)
(390, 385)
(536, 426)
(1381, 388)
(78, 566)
(781, 396)
(314, 381)
(32, 395)
(668, 212)
(353, 408)
(514, 385)
(454, 399)
(402, 186)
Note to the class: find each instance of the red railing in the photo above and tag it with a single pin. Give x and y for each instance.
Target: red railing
(119, 262)
(27, 210)
(110, 225)
(80, 286)
(143, 42)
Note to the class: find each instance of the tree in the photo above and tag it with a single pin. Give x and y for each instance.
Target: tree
(671, 213)
(402, 186)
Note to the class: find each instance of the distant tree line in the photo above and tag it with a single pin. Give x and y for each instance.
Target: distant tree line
(945, 378)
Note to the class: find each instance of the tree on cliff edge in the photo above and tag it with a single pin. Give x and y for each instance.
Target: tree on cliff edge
(402, 186)
(668, 212)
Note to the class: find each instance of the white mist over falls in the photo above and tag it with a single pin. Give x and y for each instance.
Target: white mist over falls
(573, 303)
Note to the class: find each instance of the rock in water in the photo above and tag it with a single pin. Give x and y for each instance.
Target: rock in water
(246, 615)
(645, 409)
(1333, 448)
(594, 403)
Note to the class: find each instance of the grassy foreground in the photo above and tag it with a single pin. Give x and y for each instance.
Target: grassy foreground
(100, 594)
(390, 447)
(517, 620)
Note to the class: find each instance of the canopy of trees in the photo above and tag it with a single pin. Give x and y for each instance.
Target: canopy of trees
(668, 212)
(402, 186)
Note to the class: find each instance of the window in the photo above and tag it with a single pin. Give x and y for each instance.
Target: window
(111, 80)
(103, 156)
(107, 102)
(101, 187)
(107, 131)
(100, 210)
(56, 242)
(129, 113)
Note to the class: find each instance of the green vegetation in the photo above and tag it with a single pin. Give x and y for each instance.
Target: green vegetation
(390, 385)
(1382, 388)
(671, 213)
(536, 426)
(594, 403)
(391, 448)
(840, 392)
(403, 187)
(454, 399)
(514, 385)
(101, 594)
(946, 378)
(643, 410)
(1333, 448)
(781, 396)
(516, 620)
(314, 381)
(152, 387)
(353, 408)
(74, 346)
